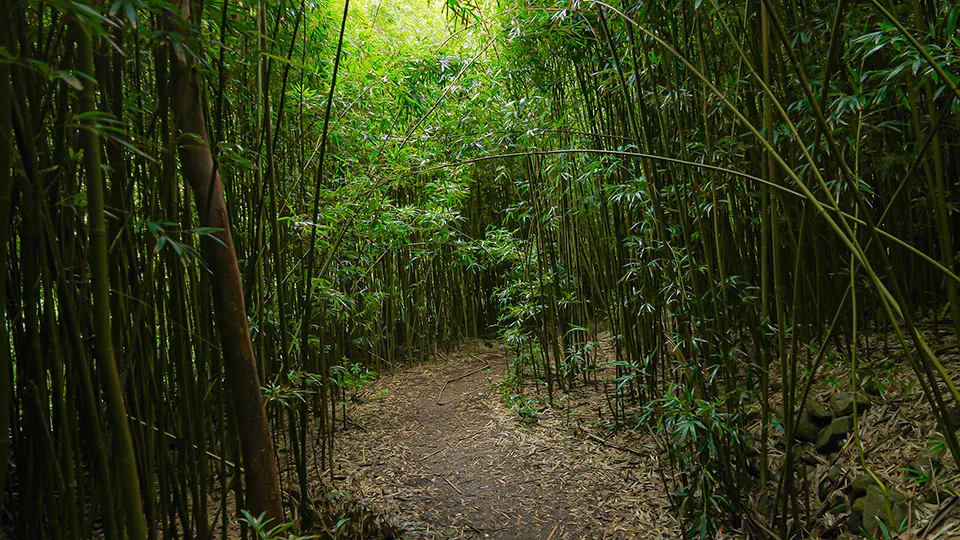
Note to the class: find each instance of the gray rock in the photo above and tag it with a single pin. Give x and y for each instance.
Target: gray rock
(842, 403)
(861, 483)
(855, 521)
(875, 510)
(831, 437)
(814, 417)
(856, 516)
(808, 454)
(953, 414)
(953, 417)
(818, 411)
(807, 428)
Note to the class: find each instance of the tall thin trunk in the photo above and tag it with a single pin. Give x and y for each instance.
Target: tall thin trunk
(6, 384)
(124, 458)
(260, 465)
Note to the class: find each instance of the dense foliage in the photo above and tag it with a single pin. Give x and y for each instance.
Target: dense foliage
(733, 191)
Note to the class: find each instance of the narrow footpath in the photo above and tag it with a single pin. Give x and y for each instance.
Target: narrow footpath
(434, 447)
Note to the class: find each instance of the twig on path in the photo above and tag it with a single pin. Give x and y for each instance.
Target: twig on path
(428, 456)
(454, 486)
(439, 395)
(471, 436)
(554, 531)
(478, 370)
(356, 425)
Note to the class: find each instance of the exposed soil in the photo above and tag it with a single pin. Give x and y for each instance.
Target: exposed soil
(435, 447)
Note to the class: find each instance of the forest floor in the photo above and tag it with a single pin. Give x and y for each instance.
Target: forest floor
(435, 448)
(446, 449)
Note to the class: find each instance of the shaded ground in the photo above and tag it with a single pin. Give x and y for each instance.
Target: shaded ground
(897, 431)
(434, 446)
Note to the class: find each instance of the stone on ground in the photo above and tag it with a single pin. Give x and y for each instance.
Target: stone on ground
(842, 403)
(832, 436)
(875, 510)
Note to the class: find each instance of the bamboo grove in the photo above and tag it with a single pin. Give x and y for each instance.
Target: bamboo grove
(156, 158)
(220, 216)
(723, 174)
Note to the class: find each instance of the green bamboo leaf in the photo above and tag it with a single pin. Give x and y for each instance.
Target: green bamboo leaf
(283, 60)
(69, 78)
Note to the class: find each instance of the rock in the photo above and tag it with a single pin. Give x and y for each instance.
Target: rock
(856, 516)
(923, 469)
(842, 403)
(875, 510)
(808, 427)
(953, 417)
(812, 420)
(808, 454)
(818, 411)
(855, 521)
(834, 434)
(861, 483)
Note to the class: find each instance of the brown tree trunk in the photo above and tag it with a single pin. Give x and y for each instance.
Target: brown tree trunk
(259, 462)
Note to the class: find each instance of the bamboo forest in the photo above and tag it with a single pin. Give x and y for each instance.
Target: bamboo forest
(437, 269)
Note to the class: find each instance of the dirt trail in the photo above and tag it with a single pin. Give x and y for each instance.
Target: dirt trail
(459, 464)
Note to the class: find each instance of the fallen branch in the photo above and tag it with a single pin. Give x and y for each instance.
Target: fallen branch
(454, 486)
(478, 370)
(460, 378)
(440, 394)
(428, 456)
